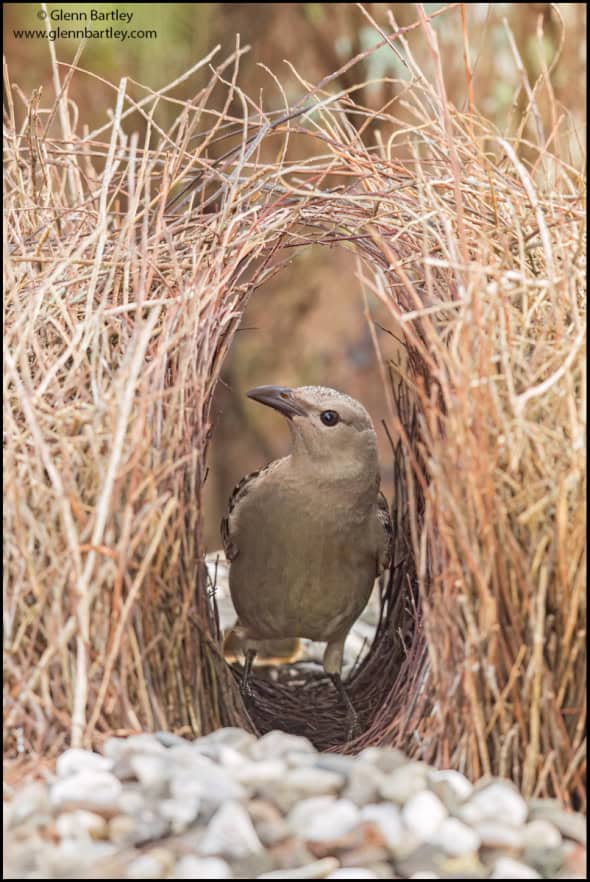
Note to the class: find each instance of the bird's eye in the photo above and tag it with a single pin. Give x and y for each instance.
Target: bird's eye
(329, 417)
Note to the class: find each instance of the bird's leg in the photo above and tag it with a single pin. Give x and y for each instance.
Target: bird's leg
(245, 687)
(332, 666)
(351, 715)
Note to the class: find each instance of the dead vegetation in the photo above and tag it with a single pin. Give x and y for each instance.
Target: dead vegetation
(128, 263)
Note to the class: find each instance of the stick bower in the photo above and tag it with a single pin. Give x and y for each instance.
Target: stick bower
(129, 261)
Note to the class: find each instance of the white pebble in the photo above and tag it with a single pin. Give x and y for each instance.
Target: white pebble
(460, 785)
(229, 757)
(230, 833)
(131, 802)
(508, 868)
(313, 782)
(353, 873)
(77, 760)
(403, 783)
(230, 736)
(423, 815)
(100, 789)
(387, 819)
(277, 744)
(364, 780)
(456, 838)
(496, 800)
(249, 774)
(317, 870)
(32, 800)
(196, 775)
(117, 748)
(190, 867)
(81, 825)
(494, 834)
(323, 818)
(180, 813)
(152, 771)
(152, 865)
(66, 859)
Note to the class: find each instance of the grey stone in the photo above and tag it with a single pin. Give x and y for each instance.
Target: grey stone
(386, 759)
(336, 762)
(364, 782)
(424, 858)
(197, 775)
(569, 824)
(230, 736)
(153, 771)
(230, 833)
(404, 782)
(277, 744)
(541, 834)
(323, 818)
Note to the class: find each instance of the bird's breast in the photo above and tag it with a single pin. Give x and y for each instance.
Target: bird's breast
(304, 566)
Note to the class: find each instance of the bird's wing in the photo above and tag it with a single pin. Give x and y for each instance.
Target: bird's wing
(239, 491)
(386, 543)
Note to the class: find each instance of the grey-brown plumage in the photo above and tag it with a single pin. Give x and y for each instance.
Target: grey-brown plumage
(307, 535)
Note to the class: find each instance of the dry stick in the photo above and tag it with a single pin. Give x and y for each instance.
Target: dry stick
(532, 751)
(152, 94)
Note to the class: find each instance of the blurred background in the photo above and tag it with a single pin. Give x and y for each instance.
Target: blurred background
(309, 325)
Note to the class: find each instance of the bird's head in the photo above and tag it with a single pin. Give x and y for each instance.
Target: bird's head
(332, 432)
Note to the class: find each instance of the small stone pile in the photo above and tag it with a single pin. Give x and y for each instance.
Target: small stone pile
(230, 805)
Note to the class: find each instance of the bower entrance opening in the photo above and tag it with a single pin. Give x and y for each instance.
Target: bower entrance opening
(285, 335)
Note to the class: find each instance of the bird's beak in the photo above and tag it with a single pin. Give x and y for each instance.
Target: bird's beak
(280, 397)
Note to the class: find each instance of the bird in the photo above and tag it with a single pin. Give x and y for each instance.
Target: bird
(307, 535)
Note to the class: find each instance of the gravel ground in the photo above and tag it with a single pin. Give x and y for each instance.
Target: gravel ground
(230, 805)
